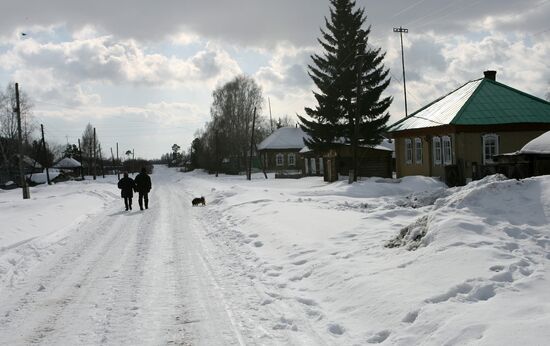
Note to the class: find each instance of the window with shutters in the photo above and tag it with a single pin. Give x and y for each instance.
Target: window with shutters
(291, 159)
(408, 151)
(418, 150)
(437, 150)
(279, 159)
(490, 148)
(447, 150)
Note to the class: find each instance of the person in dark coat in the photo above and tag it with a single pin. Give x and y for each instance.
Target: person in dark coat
(126, 186)
(143, 186)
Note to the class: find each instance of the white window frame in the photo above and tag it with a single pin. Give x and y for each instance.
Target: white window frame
(291, 159)
(279, 160)
(447, 150)
(437, 151)
(418, 151)
(408, 151)
(486, 139)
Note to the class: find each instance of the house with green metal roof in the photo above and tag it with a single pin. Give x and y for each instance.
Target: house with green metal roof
(456, 136)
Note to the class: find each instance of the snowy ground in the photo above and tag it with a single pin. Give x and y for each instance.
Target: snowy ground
(277, 262)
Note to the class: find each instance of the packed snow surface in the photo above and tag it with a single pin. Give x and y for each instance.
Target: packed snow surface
(273, 262)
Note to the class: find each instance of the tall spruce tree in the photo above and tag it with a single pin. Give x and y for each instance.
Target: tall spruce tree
(336, 73)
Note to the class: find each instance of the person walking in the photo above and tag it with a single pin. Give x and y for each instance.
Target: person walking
(143, 186)
(126, 186)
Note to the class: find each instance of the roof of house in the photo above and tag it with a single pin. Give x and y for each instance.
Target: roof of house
(67, 162)
(30, 161)
(284, 138)
(478, 102)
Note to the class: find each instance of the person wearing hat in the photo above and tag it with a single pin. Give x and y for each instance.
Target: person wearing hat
(126, 186)
(143, 186)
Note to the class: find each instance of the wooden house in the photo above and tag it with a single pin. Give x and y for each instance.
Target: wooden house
(279, 152)
(457, 136)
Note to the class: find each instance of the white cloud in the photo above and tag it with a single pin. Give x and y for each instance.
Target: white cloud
(60, 67)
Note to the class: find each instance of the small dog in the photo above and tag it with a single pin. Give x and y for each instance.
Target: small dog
(197, 201)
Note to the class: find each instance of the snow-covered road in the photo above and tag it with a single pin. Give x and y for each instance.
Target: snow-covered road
(127, 278)
(277, 262)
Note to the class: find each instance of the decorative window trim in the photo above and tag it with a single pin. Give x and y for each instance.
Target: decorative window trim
(437, 151)
(447, 150)
(408, 151)
(485, 140)
(291, 159)
(279, 160)
(418, 154)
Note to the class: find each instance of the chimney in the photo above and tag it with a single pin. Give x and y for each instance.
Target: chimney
(490, 74)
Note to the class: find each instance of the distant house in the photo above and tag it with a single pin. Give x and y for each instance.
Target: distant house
(68, 164)
(9, 171)
(457, 136)
(284, 152)
(279, 152)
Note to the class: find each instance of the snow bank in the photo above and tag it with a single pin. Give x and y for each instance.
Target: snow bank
(317, 252)
(30, 227)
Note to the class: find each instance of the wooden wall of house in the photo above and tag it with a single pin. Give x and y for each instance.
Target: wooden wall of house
(372, 162)
(470, 146)
(467, 152)
(403, 168)
(271, 155)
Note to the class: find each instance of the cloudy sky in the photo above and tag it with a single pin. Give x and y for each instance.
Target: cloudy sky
(142, 72)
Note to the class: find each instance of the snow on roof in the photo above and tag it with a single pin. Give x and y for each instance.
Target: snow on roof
(539, 145)
(42, 178)
(440, 112)
(30, 162)
(67, 162)
(305, 150)
(284, 138)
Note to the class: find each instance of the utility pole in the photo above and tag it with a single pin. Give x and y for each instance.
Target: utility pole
(270, 118)
(133, 162)
(81, 160)
(402, 30)
(113, 158)
(117, 162)
(26, 192)
(45, 155)
(251, 146)
(94, 158)
(101, 162)
(357, 113)
(217, 144)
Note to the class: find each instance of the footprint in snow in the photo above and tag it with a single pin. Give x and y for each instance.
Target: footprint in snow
(410, 317)
(258, 244)
(379, 337)
(336, 329)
